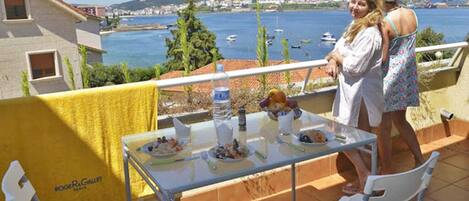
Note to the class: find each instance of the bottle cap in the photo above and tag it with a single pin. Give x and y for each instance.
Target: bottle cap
(220, 68)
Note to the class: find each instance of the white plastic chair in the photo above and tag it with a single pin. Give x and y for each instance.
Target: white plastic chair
(16, 186)
(402, 186)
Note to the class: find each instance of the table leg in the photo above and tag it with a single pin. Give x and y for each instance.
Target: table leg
(126, 174)
(171, 197)
(293, 182)
(374, 158)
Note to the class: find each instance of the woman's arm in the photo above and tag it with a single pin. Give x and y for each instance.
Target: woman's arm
(385, 35)
(358, 60)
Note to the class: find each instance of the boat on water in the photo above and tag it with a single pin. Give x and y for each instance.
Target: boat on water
(296, 46)
(328, 37)
(305, 41)
(278, 30)
(269, 42)
(231, 37)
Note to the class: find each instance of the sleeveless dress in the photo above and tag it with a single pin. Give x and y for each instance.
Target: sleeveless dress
(400, 80)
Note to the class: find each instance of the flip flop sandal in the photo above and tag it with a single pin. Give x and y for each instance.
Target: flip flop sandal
(350, 189)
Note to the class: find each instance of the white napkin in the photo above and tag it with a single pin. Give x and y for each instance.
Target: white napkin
(285, 122)
(224, 134)
(183, 131)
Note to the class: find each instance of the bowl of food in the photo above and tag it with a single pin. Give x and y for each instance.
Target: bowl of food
(314, 137)
(162, 147)
(230, 152)
(277, 104)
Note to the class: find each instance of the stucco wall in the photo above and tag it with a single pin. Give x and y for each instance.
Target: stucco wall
(51, 28)
(94, 57)
(88, 33)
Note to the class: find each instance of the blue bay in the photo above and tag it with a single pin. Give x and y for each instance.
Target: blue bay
(147, 48)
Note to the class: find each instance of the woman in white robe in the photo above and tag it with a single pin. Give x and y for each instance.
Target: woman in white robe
(356, 61)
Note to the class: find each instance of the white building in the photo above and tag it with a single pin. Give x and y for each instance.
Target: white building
(35, 37)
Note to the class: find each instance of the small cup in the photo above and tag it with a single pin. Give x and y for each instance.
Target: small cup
(285, 123)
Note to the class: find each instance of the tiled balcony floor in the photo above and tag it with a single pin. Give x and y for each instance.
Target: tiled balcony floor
(450, 181)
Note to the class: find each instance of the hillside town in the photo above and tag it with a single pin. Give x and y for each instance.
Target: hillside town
(247, 5)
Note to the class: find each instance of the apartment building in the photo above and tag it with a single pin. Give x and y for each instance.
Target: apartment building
(35, 37)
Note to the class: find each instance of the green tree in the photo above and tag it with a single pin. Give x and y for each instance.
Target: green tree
(186, 47)
(262, 52)
(428, 37)
(125, 72)
(286, 58)
(85, 74)
(199, 38)
(25, 83)
(70, 73)
(157, 71)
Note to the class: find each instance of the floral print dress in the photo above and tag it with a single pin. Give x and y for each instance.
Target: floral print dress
(400, 84)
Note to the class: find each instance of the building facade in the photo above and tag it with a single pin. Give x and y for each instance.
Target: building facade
(88, 36)
(35, 37)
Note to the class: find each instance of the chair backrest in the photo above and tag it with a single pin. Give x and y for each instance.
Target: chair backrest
(403, 186)
(16, 186)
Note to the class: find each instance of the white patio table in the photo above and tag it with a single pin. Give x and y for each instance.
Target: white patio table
(168, 181)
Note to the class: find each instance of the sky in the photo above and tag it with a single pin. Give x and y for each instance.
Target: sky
(99, 2)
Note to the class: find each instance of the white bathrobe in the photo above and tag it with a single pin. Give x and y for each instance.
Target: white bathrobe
(360, 79)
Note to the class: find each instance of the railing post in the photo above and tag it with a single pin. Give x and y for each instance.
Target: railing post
(310, 70)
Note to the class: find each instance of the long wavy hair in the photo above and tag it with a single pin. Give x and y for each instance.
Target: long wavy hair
(374, 17)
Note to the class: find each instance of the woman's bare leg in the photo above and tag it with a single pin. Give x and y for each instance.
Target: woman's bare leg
(354, 155)
(385, 143)
(407, 133)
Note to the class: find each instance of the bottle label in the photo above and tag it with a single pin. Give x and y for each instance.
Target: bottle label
(221, 95)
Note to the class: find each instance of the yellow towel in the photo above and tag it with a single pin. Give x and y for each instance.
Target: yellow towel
(69, 143)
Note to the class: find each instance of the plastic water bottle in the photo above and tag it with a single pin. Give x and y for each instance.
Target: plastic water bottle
(222, 107)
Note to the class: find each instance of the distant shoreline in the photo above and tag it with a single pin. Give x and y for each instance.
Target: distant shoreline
(290, 10)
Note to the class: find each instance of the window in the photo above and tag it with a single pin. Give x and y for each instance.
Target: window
(15, 9)
(42, 64)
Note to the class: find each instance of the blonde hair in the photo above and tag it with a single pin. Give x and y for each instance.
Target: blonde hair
(374, 17)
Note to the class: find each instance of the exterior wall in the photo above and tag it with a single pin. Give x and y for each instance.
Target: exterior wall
(94, 57)
(51, 28)
(99, 11)
(88, 33)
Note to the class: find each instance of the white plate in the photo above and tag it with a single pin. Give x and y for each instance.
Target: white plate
(144, 149)
(330, 137)
(211, 153)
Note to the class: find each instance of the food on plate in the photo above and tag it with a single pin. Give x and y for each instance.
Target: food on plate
(312, 136)
(231, 151)
(164, 146)
(277, 102)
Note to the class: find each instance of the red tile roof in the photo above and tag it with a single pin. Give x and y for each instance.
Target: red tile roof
(245, 82)
(72, 8)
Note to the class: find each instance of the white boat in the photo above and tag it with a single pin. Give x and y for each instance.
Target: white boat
(268, 42)
(231, 37)
(278, 29)
(328, 37)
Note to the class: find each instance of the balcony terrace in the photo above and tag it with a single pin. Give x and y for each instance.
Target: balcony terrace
(86, 127)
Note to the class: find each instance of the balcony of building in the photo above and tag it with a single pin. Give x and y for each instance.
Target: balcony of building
(78, 133)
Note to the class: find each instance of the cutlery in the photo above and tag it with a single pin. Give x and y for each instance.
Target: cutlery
(260, 154)
(168, 161)
(341, 138)
(210, 163)
(296, 147)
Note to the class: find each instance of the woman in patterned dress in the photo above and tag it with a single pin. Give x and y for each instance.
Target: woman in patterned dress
(356, 62)
(400, 85)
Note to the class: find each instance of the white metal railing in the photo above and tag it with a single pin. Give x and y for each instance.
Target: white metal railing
(182, 81)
